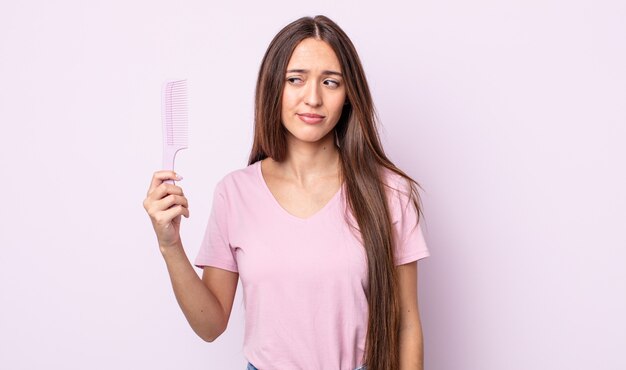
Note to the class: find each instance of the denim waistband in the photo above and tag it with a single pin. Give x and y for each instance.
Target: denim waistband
(251, 367)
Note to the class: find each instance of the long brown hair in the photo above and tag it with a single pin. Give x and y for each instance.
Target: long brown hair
(362, 160)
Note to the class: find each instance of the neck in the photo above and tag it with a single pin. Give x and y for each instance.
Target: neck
(306, 162)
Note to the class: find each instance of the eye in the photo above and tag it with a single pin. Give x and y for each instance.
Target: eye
(332, 83)
(292, 79)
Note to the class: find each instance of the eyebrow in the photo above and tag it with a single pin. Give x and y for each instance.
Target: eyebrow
(327, 72)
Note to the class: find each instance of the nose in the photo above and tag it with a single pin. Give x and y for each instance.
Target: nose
(312, 94)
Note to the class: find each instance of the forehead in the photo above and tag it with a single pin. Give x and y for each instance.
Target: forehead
(313, 54)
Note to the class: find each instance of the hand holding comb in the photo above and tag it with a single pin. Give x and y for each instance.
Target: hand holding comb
(175, 125)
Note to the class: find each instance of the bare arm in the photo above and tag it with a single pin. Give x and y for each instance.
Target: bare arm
(411, 339)
(206, 303)
(207, 310)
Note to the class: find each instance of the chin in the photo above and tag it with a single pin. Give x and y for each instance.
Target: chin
(309, 133)
(308, 137)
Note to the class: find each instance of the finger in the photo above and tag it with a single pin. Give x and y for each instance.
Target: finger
(159, 176)
(165, 217)
(153, 202)
(170, 201)
(165, 189)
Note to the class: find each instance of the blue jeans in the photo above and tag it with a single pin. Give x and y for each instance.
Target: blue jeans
(251, 367)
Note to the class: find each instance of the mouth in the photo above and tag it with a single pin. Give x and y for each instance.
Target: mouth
(310, 115)
(310, 118)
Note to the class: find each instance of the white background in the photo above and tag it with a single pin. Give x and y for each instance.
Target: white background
(510, 114)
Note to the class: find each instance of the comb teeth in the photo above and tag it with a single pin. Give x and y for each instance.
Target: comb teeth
(175, 113)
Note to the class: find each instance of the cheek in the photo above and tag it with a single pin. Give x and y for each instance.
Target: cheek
(337, 105)
(288, 98)
(285, 105)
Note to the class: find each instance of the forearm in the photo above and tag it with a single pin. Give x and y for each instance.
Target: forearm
(201, 308)
(411, 349)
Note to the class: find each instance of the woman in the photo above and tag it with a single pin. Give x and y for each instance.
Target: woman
(320, 225)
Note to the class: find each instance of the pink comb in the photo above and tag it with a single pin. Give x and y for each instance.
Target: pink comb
(174, 121)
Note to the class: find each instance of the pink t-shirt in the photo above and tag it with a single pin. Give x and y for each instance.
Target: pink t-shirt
(304, 280)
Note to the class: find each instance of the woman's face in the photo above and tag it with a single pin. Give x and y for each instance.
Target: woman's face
(314, 92)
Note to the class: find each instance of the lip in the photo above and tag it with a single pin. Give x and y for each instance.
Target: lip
(310, 118)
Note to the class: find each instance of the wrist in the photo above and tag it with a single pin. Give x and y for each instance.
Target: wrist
(167, 250)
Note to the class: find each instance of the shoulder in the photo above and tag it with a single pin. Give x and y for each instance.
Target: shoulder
(240, 179)
(395, 184)
(398, 190)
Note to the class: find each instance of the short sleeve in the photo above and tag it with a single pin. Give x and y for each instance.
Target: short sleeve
(409, 239)
(215, 248)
